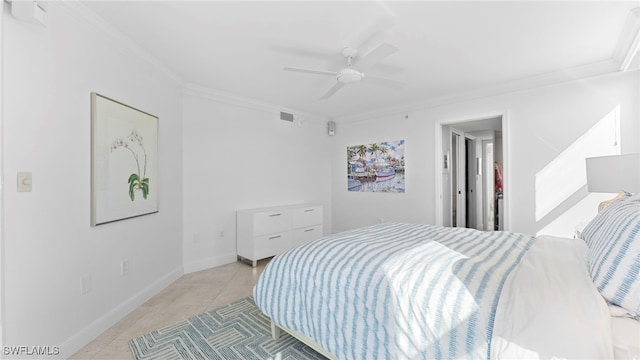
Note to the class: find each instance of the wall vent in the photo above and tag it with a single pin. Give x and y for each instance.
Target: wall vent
(286, 116)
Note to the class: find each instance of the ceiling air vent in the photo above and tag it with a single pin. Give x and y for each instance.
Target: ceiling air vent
(286, 116)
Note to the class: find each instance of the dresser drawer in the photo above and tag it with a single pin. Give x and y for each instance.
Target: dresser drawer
(273, 244)
(272, 222)
(307, 216)
(269, 231)
(303, 235)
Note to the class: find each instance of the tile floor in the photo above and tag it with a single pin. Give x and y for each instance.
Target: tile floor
(190, 295)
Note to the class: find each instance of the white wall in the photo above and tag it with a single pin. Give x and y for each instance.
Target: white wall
(239, 155)
(544, 123)
(355, 209)
(48, 75)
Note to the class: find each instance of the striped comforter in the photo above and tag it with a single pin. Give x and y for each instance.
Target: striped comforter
(394, 291)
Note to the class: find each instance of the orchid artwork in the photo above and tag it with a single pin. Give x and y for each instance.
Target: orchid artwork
(124, 161)
(139, 180)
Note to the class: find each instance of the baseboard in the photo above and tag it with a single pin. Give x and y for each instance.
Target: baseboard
(91, 331)
(210, 262)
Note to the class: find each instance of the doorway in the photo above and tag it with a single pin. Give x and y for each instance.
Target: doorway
(471, 187)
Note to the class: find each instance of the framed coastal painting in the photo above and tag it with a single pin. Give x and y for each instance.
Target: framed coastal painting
(124, 161)
(376, 167)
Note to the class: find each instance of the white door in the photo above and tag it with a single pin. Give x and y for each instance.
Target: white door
(458, 179)
(471, 180)
(489, 193)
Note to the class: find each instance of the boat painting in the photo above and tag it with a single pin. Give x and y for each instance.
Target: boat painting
(385, 174)
(354, 185)
(376, 167)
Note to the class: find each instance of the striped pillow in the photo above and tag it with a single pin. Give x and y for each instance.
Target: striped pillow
(594, 227)
(613, 237)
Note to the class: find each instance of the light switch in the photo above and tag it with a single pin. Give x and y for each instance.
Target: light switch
(24, 182)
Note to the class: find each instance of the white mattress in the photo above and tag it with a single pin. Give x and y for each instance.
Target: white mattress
(626, 338)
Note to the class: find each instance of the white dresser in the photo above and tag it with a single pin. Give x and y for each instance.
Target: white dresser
(265, 232)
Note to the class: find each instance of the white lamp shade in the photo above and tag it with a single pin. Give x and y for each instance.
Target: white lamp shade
(612, 174)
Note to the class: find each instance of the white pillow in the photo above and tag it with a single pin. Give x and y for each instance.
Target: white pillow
(613, 237)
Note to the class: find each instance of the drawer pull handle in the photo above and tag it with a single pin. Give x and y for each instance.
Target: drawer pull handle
(274, 237)
(308, 230)
(272, 215)
(309, 210)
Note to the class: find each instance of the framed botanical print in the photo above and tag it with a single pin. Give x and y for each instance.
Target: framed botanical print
(124, 161)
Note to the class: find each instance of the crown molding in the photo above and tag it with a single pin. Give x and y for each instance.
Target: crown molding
(623, 57)
(523, 84)
(202, 91)
(629, 41)
(191, 89)
(76, 8)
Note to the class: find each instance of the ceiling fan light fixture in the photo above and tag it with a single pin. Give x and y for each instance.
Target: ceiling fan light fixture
(349, 76)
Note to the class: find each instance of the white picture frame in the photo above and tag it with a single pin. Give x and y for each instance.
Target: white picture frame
(124, 161)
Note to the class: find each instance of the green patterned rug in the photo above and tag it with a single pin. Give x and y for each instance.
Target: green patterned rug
(235, 331)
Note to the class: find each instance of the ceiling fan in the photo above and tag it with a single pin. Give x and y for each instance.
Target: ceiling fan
(349, 75)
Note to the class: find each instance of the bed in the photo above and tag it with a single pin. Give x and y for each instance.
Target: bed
(407, 291)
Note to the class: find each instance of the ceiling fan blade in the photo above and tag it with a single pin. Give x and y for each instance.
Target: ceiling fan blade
(378, 32)
(387, 69)
(311, 71)
(386, 8)
(394, 84)
(380, 52)
(332, 91)
(302, 52)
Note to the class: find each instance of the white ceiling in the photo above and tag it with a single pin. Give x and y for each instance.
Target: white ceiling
(447, 50)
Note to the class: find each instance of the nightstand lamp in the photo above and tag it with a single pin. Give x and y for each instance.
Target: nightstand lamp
(611, 174)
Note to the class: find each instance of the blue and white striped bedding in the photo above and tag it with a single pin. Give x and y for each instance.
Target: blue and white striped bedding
(613, 237)
(394, 291)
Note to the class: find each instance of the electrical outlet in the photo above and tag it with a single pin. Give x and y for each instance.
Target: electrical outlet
(124, 267)
(85, 284)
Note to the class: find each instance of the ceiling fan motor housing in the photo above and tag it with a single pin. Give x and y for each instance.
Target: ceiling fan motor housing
(349, 52)
(349, 76)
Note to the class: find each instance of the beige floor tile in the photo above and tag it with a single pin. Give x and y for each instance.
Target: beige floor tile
(230, 295)
(87, 352)
(188, 296)
(116, 350)
(168, 294)
(198, 295)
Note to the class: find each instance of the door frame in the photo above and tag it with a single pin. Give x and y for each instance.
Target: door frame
(2, 196)
(459, 169)
(506, 160)
(488, 182)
